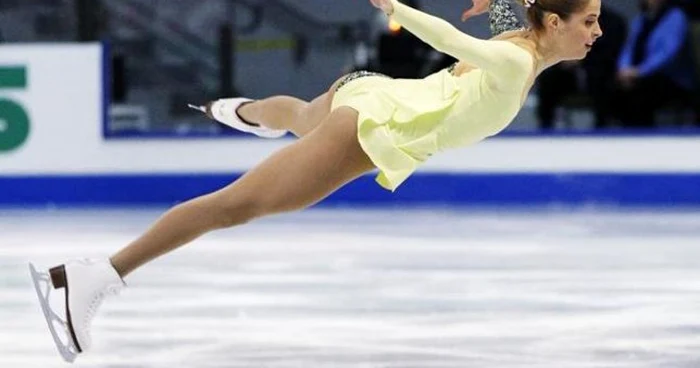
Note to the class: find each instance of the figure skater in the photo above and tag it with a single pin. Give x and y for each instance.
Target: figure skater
(365, 121)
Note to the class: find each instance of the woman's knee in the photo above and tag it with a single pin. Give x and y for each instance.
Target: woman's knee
(229, 212)
(240, 210)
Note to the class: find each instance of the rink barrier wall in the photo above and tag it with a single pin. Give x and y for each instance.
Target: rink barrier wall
(426, 189)
(53, 151)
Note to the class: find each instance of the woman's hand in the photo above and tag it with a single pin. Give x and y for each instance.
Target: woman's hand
(385, 5)
(478, 7)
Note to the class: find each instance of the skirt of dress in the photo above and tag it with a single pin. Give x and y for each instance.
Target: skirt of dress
(397, 119)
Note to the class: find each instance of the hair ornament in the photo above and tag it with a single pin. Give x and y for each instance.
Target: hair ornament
(529, 3)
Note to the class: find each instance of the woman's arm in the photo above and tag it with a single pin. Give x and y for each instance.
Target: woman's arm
(502, 19)
(501, 58)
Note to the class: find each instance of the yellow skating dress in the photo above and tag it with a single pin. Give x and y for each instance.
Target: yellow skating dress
(402, 122)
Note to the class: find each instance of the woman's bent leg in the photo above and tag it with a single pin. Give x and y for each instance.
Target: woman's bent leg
(289, 113)
(276, 112)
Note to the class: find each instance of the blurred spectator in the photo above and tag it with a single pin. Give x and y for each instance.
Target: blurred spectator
(390, 49)
(554, 85)
(436, 61)
(601, 65)
(592, 78)
(400, 54)
(655, 66)
(691, 7)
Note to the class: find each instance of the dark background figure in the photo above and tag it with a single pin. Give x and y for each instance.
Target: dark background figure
(391, 51)
(435, 62)
(691, 8)
(592, 78)
(656, 65)
(400, 54)
(601, 65)
(554, 86)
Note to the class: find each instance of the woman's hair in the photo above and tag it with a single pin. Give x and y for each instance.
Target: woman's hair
(537, 10)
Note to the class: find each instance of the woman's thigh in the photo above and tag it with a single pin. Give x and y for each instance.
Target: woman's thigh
(304, 172)
(316, 111)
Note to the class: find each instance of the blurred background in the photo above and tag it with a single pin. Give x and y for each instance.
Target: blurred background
(162, 54)
(93, 87)
(569, 240)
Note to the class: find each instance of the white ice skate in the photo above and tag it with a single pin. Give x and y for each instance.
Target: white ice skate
(85, 284)
(224, 111)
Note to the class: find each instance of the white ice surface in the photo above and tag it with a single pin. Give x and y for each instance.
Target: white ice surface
(363, 288)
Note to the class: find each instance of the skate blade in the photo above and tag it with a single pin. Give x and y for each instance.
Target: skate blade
(68, 349)
(198, 108)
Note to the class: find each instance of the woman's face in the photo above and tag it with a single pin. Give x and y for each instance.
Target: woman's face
(576, 36)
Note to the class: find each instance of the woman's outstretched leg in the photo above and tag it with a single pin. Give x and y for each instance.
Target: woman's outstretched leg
(296, 177)
(293, 178)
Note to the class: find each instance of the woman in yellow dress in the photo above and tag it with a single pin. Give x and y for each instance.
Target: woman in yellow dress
(364, 122)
